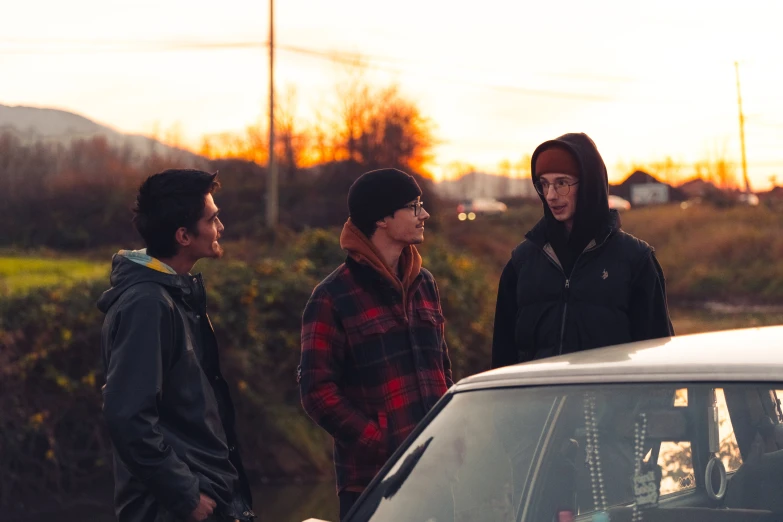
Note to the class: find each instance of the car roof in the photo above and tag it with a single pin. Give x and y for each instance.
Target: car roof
(751, 354)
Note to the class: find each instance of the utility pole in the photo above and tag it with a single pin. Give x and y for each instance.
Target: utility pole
(271, 187)
(742, 131)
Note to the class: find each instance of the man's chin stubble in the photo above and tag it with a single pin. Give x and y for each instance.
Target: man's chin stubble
(217, 250)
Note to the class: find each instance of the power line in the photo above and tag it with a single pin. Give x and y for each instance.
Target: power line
(386, 64)
(769, 125)
(346, 58)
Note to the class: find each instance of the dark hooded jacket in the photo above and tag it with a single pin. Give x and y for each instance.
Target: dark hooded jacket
(614, 292)
(166, 404)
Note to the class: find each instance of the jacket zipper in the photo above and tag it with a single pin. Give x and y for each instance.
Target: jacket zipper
(565, 312)
(565, 298)
(568, 285)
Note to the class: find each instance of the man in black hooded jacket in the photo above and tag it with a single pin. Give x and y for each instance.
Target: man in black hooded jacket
(577, 281)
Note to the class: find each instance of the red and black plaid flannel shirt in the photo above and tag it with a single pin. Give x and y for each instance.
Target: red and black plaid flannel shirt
(370, 369)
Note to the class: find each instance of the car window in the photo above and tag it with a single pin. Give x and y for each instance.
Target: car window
(567, 452)
(476, 462)
(729, 449)
(676, 464)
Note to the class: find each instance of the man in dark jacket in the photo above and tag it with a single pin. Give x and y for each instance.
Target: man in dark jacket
(166, 404)
(577, 281)
(374, 356)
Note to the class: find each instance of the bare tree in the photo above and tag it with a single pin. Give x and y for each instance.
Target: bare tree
(252, 146)
(522, 168)
(292, 143)
(353, 95)
(323, 142)
(504, 170)
(717, 168)
(667, 170)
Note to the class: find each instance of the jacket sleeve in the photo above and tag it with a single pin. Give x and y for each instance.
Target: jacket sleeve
(648, 311)
(504, 349)
(444, 348)
(320, 376)
(137, 359)
(447, 362)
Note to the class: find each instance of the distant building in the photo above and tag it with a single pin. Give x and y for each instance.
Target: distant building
(641, 188)
(649, 194)
(697, 188)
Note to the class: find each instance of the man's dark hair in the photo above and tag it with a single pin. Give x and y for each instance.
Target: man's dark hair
(168, 201)
(368, 228)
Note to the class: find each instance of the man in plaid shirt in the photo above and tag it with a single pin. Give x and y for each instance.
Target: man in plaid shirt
(374, 356)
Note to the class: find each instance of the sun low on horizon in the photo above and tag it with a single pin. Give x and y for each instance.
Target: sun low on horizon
(647, 81)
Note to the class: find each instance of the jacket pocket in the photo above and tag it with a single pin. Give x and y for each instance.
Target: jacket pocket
(370, 450)
(431, 316)
(369, 326)
(370, 340)
(429, 329)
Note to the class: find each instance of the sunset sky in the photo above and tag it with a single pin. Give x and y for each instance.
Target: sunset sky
(646, 80)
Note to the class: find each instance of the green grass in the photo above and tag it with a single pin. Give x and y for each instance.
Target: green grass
(19, 274)
(707, 253)
(689, 321)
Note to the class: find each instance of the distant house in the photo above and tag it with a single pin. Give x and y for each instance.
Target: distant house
(773, 195)
(641, 188)
(697, 188)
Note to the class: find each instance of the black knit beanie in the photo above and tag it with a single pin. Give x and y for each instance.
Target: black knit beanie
(378, 193)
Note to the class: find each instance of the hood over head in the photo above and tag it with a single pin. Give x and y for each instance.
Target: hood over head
(592, 206)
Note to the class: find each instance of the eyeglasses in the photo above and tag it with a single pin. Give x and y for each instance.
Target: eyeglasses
(562, 187)
(416, 206)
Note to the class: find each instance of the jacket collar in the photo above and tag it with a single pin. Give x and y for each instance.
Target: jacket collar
(361, 250)
(537, 234)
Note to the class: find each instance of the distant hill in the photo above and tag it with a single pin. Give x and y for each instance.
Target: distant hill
(479, 184)
(33, 124)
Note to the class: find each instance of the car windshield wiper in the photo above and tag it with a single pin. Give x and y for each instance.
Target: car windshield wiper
(394, 482)
(365, 508)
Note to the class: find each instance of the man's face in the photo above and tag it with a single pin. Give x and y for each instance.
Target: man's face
(405, 226)
(208, 231)
(563, 206)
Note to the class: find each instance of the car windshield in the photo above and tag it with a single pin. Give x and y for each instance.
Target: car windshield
(634, 452)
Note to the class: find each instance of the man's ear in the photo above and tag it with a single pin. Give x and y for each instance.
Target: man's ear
(382, 223)
(183, 237)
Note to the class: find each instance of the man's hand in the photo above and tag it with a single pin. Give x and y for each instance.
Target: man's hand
(205, 507)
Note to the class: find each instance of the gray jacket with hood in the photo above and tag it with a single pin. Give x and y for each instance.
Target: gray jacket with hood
(166, 404)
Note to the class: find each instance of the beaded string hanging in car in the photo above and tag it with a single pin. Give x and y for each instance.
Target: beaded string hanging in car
(593, 455)
(639, 436)
(645, 478)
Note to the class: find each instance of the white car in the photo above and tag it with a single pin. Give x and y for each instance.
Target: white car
(619, 203)
(687, 428)
(472, 208)
(748, 198)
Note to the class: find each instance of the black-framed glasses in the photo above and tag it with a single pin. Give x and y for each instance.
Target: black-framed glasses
(562, 186)
(416, 206)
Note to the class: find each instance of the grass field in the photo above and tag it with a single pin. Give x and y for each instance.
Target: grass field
(22, 273)
(730, 255)
(688, 321)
